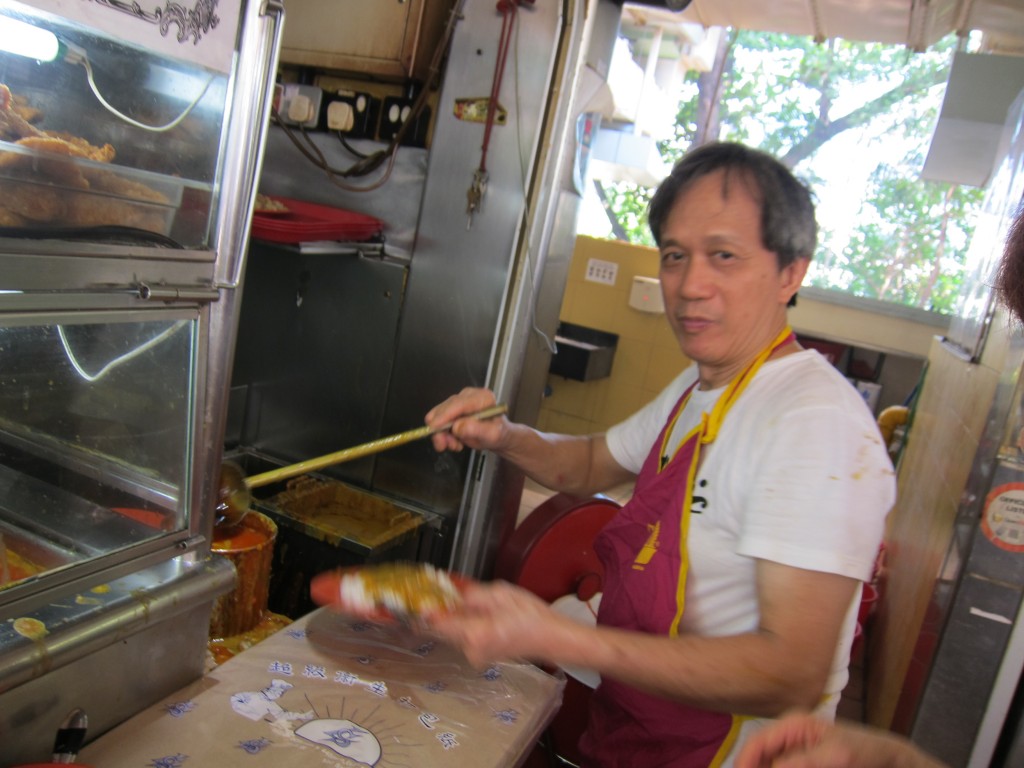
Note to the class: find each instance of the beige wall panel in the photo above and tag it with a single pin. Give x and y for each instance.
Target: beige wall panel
(947, 426)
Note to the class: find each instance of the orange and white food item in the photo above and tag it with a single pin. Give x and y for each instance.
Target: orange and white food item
(389, 590)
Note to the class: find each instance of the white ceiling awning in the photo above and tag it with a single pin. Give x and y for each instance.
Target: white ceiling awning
(968, 142)
(915, 23)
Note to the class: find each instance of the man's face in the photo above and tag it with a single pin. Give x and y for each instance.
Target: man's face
(725, 295)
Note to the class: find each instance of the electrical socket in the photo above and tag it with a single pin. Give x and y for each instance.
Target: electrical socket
(353, 113)
(300, 105)
(603, 272)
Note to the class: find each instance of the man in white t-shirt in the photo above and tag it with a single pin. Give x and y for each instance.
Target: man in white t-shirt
(762, 485)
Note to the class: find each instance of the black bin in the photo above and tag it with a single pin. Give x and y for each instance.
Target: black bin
(583, 353)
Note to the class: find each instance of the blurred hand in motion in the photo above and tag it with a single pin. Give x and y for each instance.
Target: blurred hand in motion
(487, 435)
(806, 741)
(502, 622)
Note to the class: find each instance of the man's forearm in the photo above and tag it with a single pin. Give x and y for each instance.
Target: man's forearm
(565, 463)
(742, 674)
(782, 664)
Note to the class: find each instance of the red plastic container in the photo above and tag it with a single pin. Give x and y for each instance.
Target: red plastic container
(868, 599)
(858, 642)
(308, 222)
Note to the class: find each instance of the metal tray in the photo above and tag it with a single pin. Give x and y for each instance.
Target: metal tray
(19, 549)
(338, 513)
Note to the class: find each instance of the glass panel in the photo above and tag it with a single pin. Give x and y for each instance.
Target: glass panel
(94, 437)
(1002, 198)
(105, 135)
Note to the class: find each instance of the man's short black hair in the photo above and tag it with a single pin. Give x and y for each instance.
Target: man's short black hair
(788, 226)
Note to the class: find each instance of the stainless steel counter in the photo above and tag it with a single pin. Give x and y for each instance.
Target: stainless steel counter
(111, 649)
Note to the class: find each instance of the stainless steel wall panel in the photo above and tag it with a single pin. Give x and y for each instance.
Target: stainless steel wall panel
(314, 353)
(459, 277)
(396, 202)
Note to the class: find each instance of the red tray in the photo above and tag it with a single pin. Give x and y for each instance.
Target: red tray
(305, 222)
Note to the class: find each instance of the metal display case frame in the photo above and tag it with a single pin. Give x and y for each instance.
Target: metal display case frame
(122, 626)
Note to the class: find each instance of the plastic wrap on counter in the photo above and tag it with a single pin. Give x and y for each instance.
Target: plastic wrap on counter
(327, 689)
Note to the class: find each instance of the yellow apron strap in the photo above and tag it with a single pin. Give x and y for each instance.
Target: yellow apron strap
(705, 434)
(729, 741)
(684, 527)
(737, 385)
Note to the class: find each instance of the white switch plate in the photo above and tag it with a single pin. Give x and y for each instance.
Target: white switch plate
(603, 272)
(645, 295)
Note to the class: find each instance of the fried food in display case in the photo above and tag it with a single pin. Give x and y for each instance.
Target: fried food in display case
(105, 135)
(60, 180)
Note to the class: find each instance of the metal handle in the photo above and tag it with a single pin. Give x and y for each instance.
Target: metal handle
(175, 293)
(259, 51)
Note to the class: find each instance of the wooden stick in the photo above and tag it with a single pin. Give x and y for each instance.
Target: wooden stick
(358, 451)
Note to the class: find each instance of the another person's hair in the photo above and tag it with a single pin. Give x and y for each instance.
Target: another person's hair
(788, 226)
(1010, 275)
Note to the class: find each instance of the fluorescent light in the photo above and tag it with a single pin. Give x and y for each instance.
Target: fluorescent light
(27, 40)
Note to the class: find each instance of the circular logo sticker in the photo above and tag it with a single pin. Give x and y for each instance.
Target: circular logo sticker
(1003, 518)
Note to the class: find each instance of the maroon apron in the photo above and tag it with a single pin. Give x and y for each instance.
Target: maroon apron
(643, 550)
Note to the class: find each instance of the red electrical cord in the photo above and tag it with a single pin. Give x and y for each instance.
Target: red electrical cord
(507, 9)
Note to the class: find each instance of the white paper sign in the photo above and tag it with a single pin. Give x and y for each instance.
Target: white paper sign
(199, 31)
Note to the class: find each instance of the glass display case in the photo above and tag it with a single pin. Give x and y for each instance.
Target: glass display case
(95, 421)
(131, 135)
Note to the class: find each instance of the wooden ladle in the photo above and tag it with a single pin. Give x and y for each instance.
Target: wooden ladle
(235, 492)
